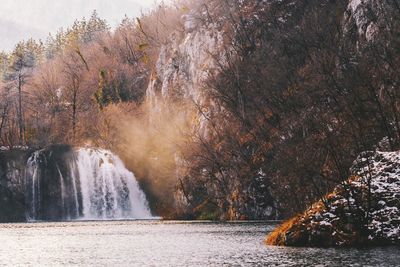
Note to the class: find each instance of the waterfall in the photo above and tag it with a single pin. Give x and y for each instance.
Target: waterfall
(84, 183)
(33, 172)
(108, 189)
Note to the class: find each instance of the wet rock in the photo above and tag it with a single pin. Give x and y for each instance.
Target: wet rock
(12, 171)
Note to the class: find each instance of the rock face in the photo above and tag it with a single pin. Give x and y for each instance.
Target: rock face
(42, 183)
(365, 18)
(12, 173)
(365, 210)
(15, 189)
(182, 73)
(187, 61)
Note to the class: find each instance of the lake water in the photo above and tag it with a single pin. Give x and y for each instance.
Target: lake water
(157, 243)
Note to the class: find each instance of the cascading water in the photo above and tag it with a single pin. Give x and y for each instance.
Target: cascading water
(33, 190)
(88, 184)
(108, 189)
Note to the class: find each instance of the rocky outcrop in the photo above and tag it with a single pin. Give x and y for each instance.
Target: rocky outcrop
(366, 19)
(12, 173)
(365, 210)
(185, 62)
(188, 60)
(43, 189)
(14, 182)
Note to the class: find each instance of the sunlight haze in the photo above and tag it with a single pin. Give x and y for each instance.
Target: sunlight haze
(21, 19)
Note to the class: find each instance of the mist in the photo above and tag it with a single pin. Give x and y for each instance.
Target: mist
(38, 18)
(150, 142)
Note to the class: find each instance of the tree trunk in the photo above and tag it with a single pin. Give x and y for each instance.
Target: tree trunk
(74, 114)
(20, 114)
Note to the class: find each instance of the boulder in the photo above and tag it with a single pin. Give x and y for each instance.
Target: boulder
(364, 210)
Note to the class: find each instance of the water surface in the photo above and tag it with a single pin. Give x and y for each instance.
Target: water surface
(157, 243)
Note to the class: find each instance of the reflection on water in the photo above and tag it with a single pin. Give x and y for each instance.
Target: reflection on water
(156, 243)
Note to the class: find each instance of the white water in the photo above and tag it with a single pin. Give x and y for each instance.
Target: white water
(108, 189)
(33, 172)
(95, 185)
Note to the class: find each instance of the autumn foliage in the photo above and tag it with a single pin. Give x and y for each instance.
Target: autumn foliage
(295, 95)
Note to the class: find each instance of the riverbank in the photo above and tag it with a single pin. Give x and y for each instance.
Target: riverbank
(363, 211)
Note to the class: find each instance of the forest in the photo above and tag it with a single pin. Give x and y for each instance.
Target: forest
(233, 109)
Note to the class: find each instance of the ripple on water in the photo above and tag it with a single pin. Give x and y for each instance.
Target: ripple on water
(157, 243)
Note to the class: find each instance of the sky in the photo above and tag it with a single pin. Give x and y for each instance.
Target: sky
(24, 19)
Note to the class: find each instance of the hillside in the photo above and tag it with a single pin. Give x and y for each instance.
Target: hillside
(224, 110)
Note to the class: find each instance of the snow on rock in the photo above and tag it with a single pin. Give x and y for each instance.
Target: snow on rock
(365, 210)
(366, 17)
(354, 4)
(382, 171)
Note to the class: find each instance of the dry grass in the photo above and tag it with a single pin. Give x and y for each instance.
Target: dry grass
(294, 225)
(277, 237)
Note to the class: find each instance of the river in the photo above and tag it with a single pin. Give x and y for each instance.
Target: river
(158, 243)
